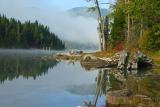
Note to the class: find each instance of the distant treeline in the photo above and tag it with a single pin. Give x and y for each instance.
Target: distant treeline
(14, 34)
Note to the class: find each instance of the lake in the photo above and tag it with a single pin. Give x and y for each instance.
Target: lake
(26, 81)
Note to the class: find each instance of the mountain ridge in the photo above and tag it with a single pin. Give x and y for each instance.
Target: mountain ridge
(84, 11)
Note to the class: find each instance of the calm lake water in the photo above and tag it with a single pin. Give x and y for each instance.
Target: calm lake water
(28, 82)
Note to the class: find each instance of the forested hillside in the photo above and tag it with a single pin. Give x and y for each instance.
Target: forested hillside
(14, 34)
(136, 24)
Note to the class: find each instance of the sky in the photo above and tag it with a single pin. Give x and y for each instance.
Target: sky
(76, 3)
(53, 13)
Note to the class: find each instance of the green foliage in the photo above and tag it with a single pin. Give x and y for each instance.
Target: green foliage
(144, 17)
(118, 25)
(154, 38)
(14, 34)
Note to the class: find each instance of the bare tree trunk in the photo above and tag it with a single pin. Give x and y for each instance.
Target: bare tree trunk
(101, 28)
(100, 39)
(104, 38)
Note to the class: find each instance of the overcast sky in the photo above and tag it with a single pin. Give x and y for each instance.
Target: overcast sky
(53, 14)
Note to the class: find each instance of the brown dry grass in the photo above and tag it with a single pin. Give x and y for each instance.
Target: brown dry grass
(154, 55)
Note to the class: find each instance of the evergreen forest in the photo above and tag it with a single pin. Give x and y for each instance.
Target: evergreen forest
(15, 34)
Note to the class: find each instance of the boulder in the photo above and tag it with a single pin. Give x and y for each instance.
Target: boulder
(123, 60)
(143, 60)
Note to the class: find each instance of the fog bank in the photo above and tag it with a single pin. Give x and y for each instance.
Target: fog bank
(77, 29)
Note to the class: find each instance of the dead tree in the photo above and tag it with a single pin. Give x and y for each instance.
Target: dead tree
(101, 26)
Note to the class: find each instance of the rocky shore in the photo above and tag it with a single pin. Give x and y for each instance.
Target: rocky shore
(122, 60)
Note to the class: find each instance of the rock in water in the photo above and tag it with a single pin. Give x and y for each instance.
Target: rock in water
(143, 60)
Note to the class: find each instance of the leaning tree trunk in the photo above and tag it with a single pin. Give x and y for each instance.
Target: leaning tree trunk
(103, 43)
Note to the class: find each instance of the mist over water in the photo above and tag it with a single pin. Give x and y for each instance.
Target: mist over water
(67, 27)
(29, 82)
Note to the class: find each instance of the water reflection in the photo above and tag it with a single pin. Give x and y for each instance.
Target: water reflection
(14, 66)
(55, 85)
(128, 88)
(134, 88)
(68, 85)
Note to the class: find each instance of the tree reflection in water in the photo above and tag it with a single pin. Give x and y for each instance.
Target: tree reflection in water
(12, 67)
(128, 88)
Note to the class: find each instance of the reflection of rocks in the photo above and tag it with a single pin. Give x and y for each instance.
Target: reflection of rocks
(143, 88)
(143, 92)
(124, 98)
(118, 97)
(120, 93)
(140, 89)
(118, 75)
